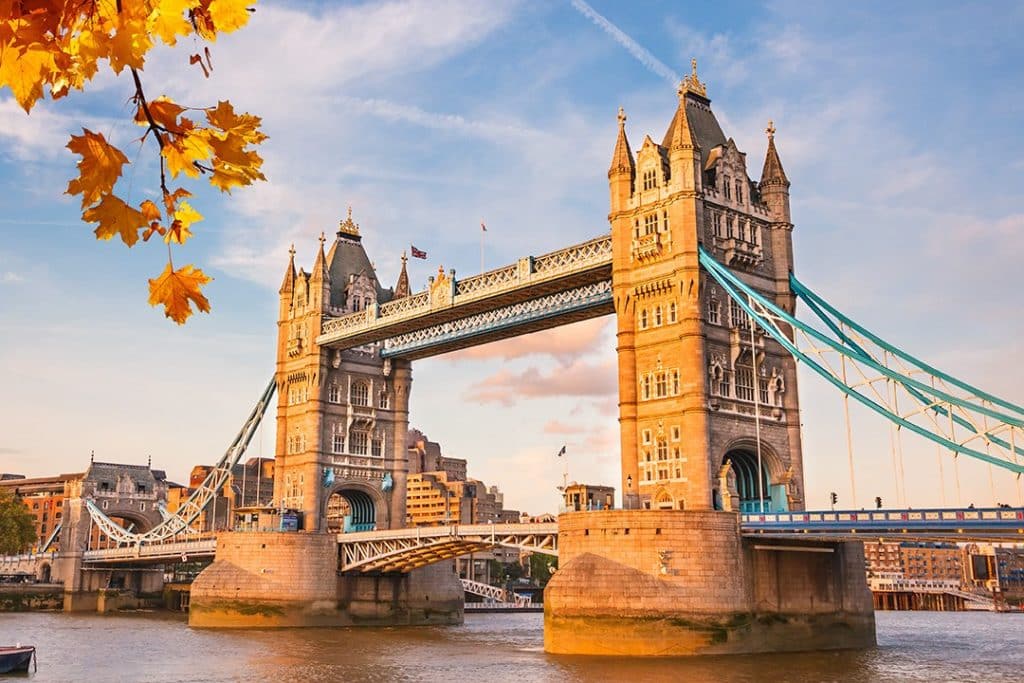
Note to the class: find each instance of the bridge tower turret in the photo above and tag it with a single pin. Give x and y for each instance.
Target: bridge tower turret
(342, 415)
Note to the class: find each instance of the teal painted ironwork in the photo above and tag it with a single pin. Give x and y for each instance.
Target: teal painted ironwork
(771, 318)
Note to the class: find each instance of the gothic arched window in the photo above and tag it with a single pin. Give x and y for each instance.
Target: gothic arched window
(360, 394)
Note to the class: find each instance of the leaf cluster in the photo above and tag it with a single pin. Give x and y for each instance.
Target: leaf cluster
(57, 46)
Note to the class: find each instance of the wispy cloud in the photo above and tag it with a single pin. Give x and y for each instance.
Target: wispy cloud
(407, 113)
(506, 387)
(564, 344)
(10, 277)
(642, 55)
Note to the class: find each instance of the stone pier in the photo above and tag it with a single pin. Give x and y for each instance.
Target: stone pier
(291, 579)
(674, 582)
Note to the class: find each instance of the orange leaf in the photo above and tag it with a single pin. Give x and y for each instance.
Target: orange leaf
(171, 199)
(99, 168)
(164, 111)
(150, 210)
(115, 217)
(177, 290)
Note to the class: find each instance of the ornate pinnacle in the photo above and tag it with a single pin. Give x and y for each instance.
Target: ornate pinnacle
(691, 83)
(770, 130)
(322, 239)
(622, 117)
(348, 226)
(291, 250)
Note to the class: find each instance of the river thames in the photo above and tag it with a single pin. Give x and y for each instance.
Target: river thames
(912, 646)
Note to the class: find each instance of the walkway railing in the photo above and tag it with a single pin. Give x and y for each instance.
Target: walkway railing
(451, 299)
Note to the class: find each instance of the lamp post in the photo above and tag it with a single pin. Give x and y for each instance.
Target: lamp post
(627, 500)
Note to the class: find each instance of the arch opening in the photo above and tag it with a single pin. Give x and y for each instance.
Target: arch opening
(753, 498)
(350, 510)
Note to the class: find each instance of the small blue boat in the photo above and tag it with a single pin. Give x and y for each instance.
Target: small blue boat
(16, 658)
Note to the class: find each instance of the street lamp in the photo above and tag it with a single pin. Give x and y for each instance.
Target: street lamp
(629, 493)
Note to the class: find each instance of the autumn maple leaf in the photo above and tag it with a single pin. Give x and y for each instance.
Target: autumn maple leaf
(177, 290)
(115, 217)
(99, 168)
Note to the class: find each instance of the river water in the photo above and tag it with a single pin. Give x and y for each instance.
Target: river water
(912, 646)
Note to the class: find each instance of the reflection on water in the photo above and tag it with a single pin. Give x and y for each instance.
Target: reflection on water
(913, 646)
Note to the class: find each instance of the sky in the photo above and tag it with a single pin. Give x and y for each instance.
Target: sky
(897, 123)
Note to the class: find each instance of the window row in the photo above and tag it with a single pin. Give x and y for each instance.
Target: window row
(650, 179)
(297, 443)
(731, 187)
(659, 384)
(734, 227)
(653, 222)
(359, 442)
(645, 435)
(293, 485)
(359, 395)
(661, 451)
(662, 473)
(297, 394)
(737, 316)
(658, 315)
(740, 384)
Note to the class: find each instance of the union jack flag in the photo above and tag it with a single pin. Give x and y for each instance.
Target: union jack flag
(417, 253)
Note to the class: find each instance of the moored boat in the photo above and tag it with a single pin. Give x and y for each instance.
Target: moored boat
(16, 658)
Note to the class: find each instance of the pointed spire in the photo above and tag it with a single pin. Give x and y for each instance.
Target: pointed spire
(289, 274)
(680, 134)
(622, 157)
(320, 264)
(402, 286)
(772, 174)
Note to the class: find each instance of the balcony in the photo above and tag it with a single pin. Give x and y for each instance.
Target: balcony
(740, 253)
(647, 246)
(294, 347)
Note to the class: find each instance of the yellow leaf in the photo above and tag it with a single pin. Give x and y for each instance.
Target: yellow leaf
(99, 168)
(129, 44)
(225, 176)
(191, 145)
(115, 217)
(177, 290)
(184, 217)
(230, 15)
(168, 20)
(25, 71)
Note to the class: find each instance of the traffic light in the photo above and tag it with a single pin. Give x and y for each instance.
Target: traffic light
(878, 502)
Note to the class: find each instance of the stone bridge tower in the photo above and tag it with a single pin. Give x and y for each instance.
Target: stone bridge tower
(709, 415)
(342, 415)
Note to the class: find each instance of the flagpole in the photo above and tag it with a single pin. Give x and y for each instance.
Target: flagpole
(482, 231)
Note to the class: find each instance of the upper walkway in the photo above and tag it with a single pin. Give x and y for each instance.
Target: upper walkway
(535, 293)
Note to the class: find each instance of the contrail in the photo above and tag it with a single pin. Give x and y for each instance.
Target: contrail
(634, 48)
(395, 111)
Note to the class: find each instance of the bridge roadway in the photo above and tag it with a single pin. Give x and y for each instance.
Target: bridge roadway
(401, 550)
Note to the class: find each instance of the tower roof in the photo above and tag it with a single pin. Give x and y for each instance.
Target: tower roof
(402, 286)
(694, 123)
(289, 273)
(346, 258)
(622, 157)
(773, 173)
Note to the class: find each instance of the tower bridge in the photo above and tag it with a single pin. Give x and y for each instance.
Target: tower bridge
(713, 550)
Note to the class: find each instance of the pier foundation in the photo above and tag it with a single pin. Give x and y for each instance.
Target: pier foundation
(675, 582)
(262, 580)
